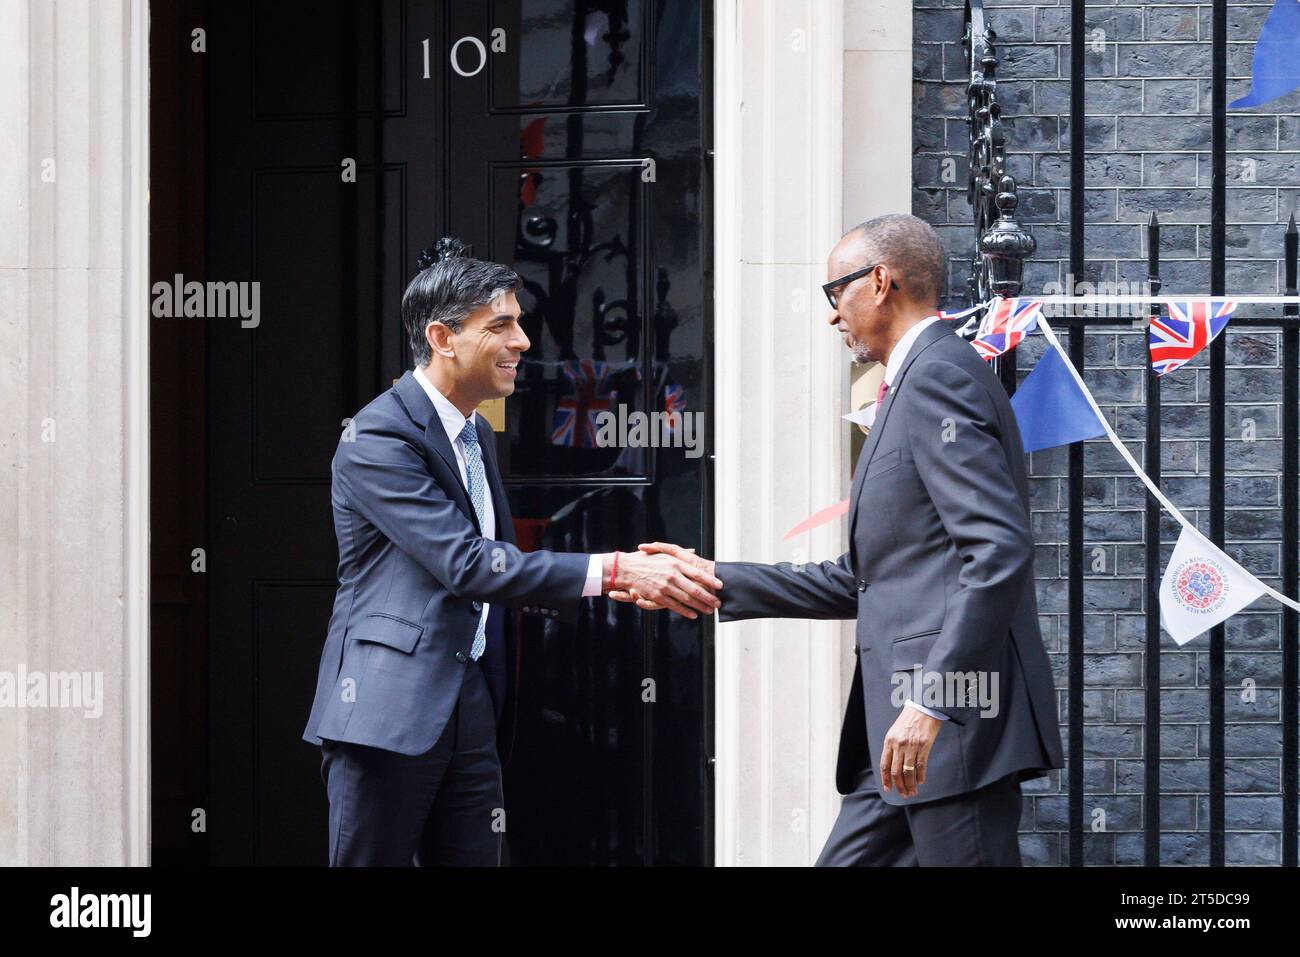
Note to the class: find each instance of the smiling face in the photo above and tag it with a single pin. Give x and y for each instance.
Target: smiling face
(482, 358)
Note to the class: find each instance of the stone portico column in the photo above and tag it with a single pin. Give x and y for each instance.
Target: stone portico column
(74, 436)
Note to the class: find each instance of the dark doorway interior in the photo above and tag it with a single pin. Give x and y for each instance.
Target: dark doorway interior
(178, 613)
(314, 148)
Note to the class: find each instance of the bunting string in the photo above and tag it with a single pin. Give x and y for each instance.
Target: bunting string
(1122, 449)
(1199, 580)
(1129, 300)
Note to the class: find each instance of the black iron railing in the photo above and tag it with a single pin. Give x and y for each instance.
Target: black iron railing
(1002, 246)
(997, 264)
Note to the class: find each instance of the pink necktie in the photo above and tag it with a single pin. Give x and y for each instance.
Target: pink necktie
(880, 395)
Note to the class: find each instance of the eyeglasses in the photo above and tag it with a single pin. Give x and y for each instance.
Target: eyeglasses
(833, 298)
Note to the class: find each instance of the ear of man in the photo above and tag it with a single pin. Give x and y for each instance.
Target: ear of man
(440, 338)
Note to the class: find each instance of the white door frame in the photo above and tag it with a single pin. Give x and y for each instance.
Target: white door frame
(812, 115)
(779, 382)
(136, 435)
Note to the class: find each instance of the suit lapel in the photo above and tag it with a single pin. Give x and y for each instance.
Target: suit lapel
(928, 337)
(421, 410)
(864, 460)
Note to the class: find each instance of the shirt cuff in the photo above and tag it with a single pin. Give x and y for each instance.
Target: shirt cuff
(595, 572)
(933, 714)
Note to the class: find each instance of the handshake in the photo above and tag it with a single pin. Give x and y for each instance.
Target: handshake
(660, 575)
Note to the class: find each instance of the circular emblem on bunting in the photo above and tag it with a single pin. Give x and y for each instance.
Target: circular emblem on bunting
(1200, 585)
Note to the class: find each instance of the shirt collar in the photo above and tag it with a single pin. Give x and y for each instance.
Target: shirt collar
(903, 347)
(452, 421)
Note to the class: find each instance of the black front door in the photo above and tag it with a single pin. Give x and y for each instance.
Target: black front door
(566, 137)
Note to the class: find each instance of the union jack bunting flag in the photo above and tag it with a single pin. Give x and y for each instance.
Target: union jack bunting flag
(1190, 326)
(1004, 325)
(575, 413)
(961, 313)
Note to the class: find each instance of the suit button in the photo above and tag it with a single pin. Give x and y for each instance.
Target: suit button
(862, 585)
(477, 605)
(857, 650)
(462, 657)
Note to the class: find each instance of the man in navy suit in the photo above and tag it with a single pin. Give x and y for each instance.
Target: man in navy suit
(415, 672)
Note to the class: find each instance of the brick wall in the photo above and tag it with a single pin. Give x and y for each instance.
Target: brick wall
(1147, 144)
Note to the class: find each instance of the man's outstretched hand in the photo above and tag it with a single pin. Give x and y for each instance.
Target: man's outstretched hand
(686, 556)
(661, 579)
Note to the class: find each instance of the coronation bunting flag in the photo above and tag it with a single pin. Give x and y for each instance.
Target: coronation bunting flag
(1004, 325)
(1190, 326)
(1202, 587)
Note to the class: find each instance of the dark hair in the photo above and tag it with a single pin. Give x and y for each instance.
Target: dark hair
(450, 285)
(912, 248)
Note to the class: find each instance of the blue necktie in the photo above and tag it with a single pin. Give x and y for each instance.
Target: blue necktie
(474, 473)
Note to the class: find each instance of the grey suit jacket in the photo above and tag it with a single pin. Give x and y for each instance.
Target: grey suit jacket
(413, 571)
(939, 574)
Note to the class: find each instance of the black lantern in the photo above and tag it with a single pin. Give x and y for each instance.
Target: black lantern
(1006, 245)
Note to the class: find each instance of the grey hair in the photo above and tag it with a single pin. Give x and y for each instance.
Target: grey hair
(912, 249)
(450, 285)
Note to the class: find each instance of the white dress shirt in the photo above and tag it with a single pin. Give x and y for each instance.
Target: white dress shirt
(897, 356)
(453, 424)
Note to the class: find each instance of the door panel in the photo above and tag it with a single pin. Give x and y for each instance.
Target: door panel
(573, 56)
(292, 96)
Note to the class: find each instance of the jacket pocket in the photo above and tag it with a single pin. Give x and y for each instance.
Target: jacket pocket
(883, 462)
(387, 630)
(909, 651)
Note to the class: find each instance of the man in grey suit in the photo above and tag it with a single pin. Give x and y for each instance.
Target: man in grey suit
(416, 670)
(953, 693)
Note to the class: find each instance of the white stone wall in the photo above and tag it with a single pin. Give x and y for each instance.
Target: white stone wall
(73, 477)
(877, 109)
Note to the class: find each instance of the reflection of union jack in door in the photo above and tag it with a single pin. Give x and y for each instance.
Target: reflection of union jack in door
(674, 405)
(575, 413)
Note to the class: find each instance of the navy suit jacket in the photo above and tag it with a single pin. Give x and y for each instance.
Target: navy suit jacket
(413, 572)
(939, 574)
